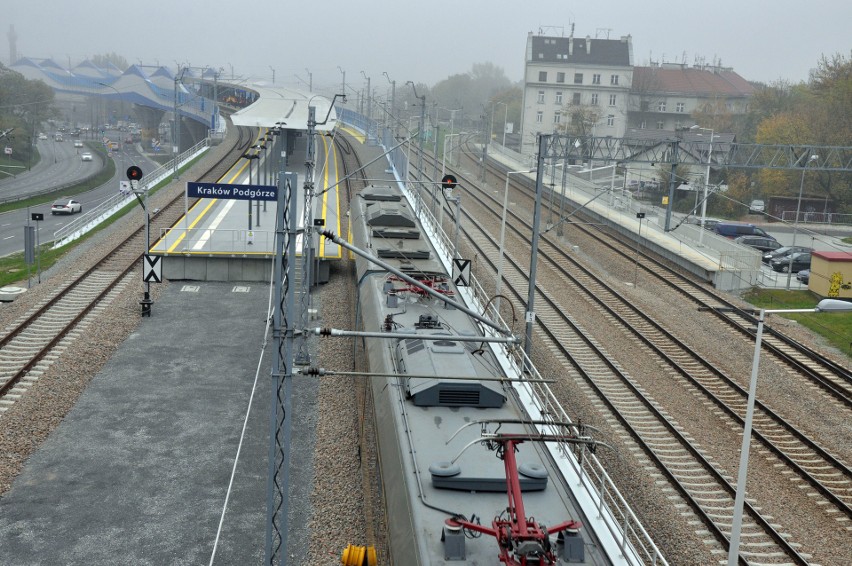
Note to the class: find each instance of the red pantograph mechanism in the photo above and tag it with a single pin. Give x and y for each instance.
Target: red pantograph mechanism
(522, 541)
(437, 284)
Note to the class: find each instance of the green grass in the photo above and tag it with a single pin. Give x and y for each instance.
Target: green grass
(105, 175)
(13, 268)
(836, 328)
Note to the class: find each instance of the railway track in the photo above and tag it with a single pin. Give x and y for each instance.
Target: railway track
(32, 343)
(684, 466)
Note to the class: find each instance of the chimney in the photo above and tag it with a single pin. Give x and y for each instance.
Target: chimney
(570, 46)
(588, 44)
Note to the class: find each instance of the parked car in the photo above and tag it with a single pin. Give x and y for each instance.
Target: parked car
(42, 136)
(757, 206)
(734, 229)
(66, 205)
(784, 251)
(758, 242)
(709, 223)
(86, 156)
(794, 262)
(804, 276)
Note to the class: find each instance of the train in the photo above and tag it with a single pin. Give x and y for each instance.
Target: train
(466, 472)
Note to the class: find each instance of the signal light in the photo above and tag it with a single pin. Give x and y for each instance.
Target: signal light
(449, 182)
(134, 173)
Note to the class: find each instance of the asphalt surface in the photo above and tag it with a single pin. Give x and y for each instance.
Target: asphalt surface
(138, 470)
(54, 171)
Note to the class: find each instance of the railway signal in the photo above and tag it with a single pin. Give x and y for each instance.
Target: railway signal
(449, 182)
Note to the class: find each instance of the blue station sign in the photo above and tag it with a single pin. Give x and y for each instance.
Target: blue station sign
(232, 192)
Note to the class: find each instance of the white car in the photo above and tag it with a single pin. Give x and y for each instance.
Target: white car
(66, 205)
(757, 206)
(42, 136)
(78, 143)
(85, 156)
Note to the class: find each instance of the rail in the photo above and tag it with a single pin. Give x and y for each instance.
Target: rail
(586, 475)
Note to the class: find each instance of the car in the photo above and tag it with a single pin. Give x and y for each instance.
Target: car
(66, 205)
(794, 262)
(784, 251)
(78, 143)
(709, 223)
(804, 276)
(128, 139)
(758, 242)
(757, 206)
(85, 156)
(733, 229)
(42, 136)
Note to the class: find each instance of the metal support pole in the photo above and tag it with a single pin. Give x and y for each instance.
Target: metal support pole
(668, 224)
(742, 473)
(530, 313)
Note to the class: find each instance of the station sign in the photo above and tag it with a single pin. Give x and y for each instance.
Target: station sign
(232, 192)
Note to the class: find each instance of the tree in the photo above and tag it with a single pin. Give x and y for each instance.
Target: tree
(24, 105)
(580, 119)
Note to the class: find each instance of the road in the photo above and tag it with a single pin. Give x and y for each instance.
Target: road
(58, 170)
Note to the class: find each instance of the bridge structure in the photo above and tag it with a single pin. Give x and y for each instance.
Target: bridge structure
(190, 93)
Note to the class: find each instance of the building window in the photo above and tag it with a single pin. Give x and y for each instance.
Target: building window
(557, 118)
(594, 99)
(541, 97)
(645, 105)
(542, 76)
(560, 77)
(576, 99)
(578, 78)
(613, 79)
(661, 106)
(558, 97)
(680, 107)
(539, 117)
(610, 120)
(596, 79)
(643, 125)
(659, 125)
(612, 100)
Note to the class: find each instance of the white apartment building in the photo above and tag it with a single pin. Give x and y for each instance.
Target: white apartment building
(569, 79)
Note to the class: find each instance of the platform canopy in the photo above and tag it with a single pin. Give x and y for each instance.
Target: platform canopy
(290, 106)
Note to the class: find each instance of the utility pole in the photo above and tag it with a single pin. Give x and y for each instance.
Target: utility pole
(422, 125)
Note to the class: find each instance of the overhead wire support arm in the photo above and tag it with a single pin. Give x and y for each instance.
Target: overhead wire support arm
(384, 265)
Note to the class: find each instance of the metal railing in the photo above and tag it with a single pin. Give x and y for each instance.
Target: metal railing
(106, 209)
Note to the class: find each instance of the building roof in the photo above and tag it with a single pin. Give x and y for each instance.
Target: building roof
(833, 256)
(683, 79)
(582, 51)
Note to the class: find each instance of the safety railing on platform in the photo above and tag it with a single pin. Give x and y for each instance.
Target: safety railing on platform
(92, 218)
(203, 241)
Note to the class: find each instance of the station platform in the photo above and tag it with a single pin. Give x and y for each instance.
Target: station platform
(233, 240)
(715, 259)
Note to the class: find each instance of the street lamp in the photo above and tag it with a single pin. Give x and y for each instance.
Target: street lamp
(503, 236)
(796, 220)
(393, 101)
(706, 180)
(825, 305)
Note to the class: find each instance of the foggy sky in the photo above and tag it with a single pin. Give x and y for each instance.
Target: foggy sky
(424, 42)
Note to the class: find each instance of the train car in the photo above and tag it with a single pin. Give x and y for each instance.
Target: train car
(465, 473)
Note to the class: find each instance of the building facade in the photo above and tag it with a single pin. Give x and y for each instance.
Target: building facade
(664, 97)
(575, 84)
(590, 86)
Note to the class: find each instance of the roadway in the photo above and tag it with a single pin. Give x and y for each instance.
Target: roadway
(60, 163)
